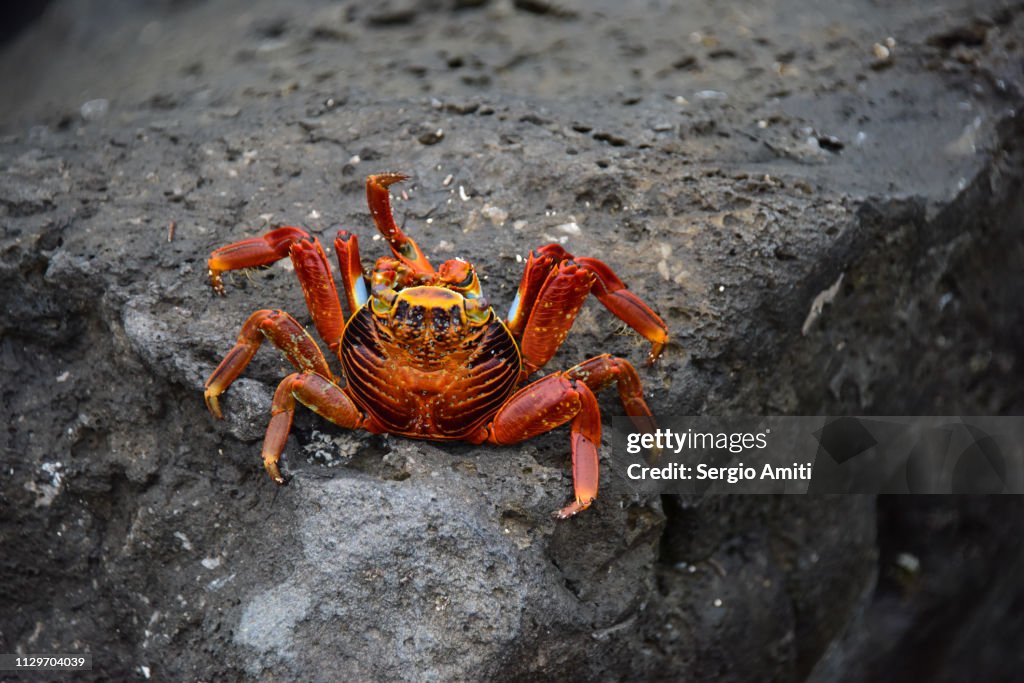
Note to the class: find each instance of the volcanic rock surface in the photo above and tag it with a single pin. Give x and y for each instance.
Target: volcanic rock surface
(732, 161)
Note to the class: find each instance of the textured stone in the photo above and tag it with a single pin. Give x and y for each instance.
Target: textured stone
(730, 194)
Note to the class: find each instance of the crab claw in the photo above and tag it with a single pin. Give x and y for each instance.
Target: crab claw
(386, 179)
(403, 246)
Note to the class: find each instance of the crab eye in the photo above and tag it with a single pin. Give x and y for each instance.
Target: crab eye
(457, 274)
(407, 250)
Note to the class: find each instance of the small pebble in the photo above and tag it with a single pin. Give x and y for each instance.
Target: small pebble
(710, 95)
(432, 137)
(496, 215)
(882, 56)
(908, 563)
(93, 110)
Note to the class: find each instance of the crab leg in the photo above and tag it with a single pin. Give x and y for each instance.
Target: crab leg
(559, 301)
(318, 288)
(549, 403)
(346, 247)
(539, 265)
(320, 395)
(541, 290)
(251, 253)
(602, 371)
(628, 307)
(284, 332)
(403, 246)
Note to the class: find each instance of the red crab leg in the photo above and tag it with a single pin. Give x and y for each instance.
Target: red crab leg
(627, 306)
(548, 403)
(320, 395)
(251, 253)
(544, 309)
(314, 275)
(559, 301)
(346, 247)
(539, 264)
(284, 332)
(602, 371)
(403, 246)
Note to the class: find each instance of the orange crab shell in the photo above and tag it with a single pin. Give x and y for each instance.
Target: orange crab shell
(424, 370)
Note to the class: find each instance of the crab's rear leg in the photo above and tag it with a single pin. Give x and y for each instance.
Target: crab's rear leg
(403, 246)
(605, 370)
(284, 332)
(252, 253)
(549, 403)
(319, 394)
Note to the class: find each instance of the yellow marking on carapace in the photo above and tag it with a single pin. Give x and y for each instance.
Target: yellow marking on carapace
(430, 296)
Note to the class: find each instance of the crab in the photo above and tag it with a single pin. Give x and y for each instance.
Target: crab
(422, 352)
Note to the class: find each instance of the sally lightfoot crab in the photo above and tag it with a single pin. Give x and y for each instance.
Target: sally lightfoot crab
(422, 352)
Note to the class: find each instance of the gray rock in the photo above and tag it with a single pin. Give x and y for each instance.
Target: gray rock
(137, 527)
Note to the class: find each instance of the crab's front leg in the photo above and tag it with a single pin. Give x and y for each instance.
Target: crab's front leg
(311, 268)
(551, 292)
(626, 306)
(553, 312)
(544, 405)
(252, 253)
